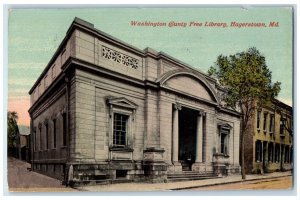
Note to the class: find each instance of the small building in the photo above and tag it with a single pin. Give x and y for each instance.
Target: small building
(23, 143)
(103, 110)
(270, 139)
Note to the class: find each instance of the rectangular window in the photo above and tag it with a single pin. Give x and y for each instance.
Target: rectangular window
(46, 137)
(35, 140)
(258, 119)
(258, 151)
(281, 126)
(41, 146)
(120, 129)
(265, 121)
(270, 153)
(54, 133)
(277, 153)
(224, 142)
(287, 156)
(291, 155)
(121, 173)
(64, 129)
(271, 128)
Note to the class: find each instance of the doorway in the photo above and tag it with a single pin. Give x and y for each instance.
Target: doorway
(187, 137)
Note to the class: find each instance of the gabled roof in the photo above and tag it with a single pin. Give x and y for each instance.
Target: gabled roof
(24, 130)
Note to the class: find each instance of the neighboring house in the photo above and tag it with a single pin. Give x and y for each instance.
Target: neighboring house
(269, 140)
(23, 143)
(105, 110)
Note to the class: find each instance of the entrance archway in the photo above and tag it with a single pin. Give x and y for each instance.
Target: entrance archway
(187, 137)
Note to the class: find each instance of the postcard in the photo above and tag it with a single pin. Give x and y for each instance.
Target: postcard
(150, 99)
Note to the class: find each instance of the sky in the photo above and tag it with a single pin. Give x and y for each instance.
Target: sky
(35, 34)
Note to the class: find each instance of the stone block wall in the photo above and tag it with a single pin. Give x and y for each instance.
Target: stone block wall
(165, 126)
(92, 116)
(49, 158)
(189, 85)
(55, 68)
(99, 52)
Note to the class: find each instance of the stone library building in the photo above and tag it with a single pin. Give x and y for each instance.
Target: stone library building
(104, 111)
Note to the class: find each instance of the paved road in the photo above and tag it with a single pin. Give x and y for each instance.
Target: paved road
(281, 183)
(21, 179)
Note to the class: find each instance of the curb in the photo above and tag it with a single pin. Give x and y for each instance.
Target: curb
(230, 182)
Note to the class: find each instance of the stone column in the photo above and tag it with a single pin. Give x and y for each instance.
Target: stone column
(175, 144)
(199, 165)
(199, 140)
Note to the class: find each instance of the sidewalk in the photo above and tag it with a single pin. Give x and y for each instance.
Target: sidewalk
(139, 187)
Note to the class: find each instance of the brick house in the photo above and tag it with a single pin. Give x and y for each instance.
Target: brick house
(270, 139)
(104, 110)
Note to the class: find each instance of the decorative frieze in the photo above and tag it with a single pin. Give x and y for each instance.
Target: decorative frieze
(119, 57)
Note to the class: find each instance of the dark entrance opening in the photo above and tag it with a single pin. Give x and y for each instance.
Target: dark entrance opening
(187, 137)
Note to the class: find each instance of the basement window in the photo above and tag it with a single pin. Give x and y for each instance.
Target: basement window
(121, 173)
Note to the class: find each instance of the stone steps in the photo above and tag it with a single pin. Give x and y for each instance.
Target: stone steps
(189, 176)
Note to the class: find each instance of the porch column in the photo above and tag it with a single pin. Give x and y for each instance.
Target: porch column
(175, 144)
(199, 140)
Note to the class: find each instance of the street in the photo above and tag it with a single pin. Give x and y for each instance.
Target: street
(20, 179)
(281, 183)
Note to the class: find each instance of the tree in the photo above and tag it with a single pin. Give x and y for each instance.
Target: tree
(12, 128)
(248, 82)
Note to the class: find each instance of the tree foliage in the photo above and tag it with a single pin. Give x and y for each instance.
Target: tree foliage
(12, 128)
(247, 79)
(248, 82)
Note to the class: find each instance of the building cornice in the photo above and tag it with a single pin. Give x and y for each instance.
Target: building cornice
(229, 111)
(89, 28)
